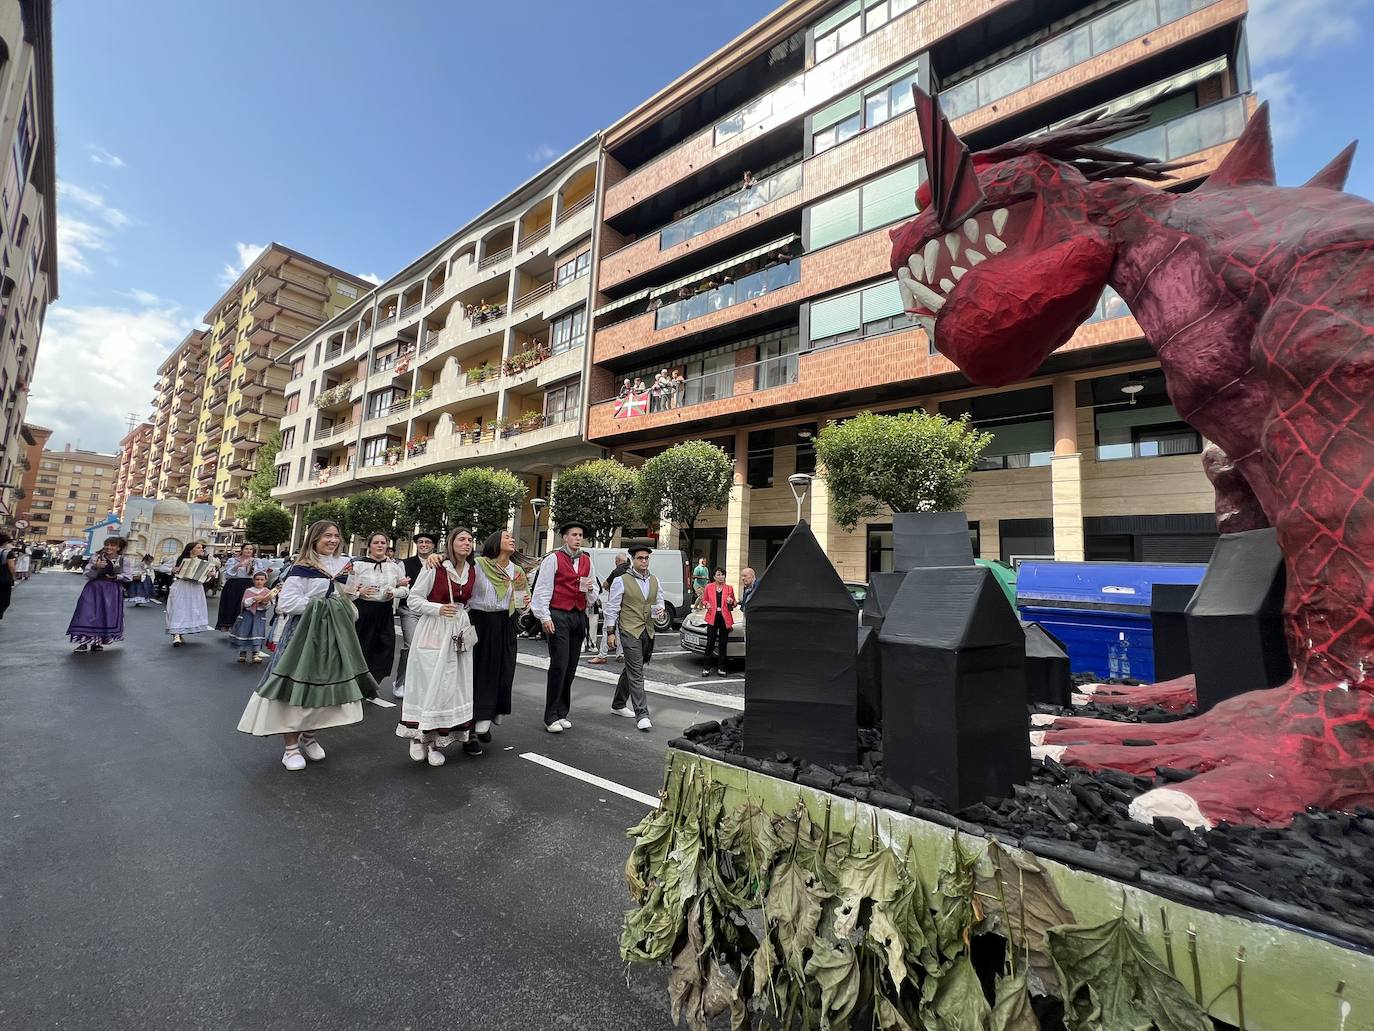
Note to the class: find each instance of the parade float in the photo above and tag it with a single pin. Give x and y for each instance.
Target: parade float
(885, 839)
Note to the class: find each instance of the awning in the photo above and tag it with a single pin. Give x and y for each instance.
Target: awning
(695, 277)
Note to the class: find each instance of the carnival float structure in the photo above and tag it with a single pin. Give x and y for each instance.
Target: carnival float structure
(912, 844)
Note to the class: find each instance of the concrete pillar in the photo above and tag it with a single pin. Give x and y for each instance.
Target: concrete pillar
(667, 535)
(551, 539)
(1066, 476)
(737, 533)
(822, 525)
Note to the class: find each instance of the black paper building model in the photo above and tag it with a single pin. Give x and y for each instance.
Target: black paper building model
(1235, 620)
(870, 678)
(882, 588)
(924, 539)
(1169, 630)
(1048, 679)
(802, 690)
(954, 687)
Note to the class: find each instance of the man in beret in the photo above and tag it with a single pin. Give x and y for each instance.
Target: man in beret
(564, 588)
(636, 602)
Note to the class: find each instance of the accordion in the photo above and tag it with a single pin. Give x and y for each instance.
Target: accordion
(198, 569)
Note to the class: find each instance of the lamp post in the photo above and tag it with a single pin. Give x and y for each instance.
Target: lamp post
(800, 483)
(538, 504)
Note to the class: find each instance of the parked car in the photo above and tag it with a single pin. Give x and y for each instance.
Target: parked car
(693, 634)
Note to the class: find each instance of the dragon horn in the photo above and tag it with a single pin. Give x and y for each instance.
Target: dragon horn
(954, 188)
(1334, 175)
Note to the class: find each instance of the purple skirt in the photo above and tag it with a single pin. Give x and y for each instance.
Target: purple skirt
(99, 615)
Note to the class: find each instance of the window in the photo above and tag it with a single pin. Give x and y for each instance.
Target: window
(288, 438)
(374, 450)
(293, 402)
(298, 367)
(710, 377)
(99, 471)
(884, 200)
(806, 448)
(880, 101)
(561, 402)
(777, 362)
(23, 142)
(569, 331)
(847, 25)
(576, 268)
(379, 402)
(759, 461)
(71, 493)
(347, 290)
(76, 468)
(857, 315)
(71, 507)
(1021, 423)
(1142, 424)
(283, 473)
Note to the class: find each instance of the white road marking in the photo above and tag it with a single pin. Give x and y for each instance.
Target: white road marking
(686, 692)
(721, 680)
(383, 703)
(590, 778)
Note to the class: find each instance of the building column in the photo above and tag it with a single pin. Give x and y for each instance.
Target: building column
(1066, 475)
(822, 525)
(667, 535)
(737, 513)
(551, 539)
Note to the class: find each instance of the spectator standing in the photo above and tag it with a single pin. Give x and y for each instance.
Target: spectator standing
(7, 564)
(720, 620)
(622, 564)
(634, 604)
(701, 576)
(747, 582)
(679, 388)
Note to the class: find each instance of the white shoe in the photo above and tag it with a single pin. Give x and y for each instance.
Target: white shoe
(436, 757)
(293, 760)
(482, 727)
(625, 711)
(417, 750)
(398, 690)
(645, 723)
(311, 749)
(565, 723)
(555, 727)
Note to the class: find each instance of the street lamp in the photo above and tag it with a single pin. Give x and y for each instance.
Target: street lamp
(538, 504)
(800, 484)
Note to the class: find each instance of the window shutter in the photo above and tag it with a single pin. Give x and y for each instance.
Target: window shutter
(836, 112)
(891, 198)
(835, 316)
(839, 17)
(882, 302)
(834, 219)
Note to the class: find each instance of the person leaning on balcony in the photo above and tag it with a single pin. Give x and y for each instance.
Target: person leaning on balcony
(625, 389)
(565, 587)
(658, 393)
(679, 387)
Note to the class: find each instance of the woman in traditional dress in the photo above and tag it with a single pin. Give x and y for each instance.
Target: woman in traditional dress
(501, 594)
(6, 573)
(238, 577)
(379, 581)
(140, 590)
(250, 629)
(437, 705)
(22, 562)
(317, 677)
(99, 616)
(187, 610)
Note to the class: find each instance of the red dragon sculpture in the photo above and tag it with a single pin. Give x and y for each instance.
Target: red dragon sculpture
(1259, 302)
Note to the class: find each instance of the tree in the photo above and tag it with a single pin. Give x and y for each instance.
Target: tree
(683, 481)
(909, 462)
(258, 491)
(335, 511)
(482, 499)
(424, 503)
(600, 493)
(374, 511)
(268, 525)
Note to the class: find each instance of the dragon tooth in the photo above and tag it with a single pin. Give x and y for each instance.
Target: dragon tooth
(932, 255)
(973, 257)
(971, 229)
(904, 282)
(928, 324)
(999, 221)
(917, 267)
(952, 242)
(927, 296)
(994, 245)
(946, 285)
(957, 272)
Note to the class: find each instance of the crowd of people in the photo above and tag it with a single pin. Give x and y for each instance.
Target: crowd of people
(668, 390)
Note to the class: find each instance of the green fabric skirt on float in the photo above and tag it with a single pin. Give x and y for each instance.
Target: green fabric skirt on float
(322, 664)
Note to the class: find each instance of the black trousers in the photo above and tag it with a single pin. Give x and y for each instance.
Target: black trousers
(493, 664)
(717, 634)
(569, 631)
(4, 599)
(377, 636)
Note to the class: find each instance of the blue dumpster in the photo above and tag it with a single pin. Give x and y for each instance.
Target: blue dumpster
(1100, 610)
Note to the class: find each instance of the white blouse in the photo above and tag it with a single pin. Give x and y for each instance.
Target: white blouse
(484, 593)
(383, 574)
(296, 591)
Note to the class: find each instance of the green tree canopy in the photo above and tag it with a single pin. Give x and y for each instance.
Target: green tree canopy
(267, 525)
(335, 511)
(374, 511)
(909, 462)
(600, 493)
(424, 503)
(482, 499)
(682, 482)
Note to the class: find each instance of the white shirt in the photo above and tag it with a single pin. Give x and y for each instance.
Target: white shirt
(484, 593)
(237, 567)
(618, 595)
(296, 591)
(543, 585)
(383, 575)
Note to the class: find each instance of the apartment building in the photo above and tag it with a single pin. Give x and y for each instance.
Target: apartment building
(73, 489)
(743, 238)
(175, 416)
(280, 298)
(135, 452)
(471, 355)
(28, 222)
(34, 439)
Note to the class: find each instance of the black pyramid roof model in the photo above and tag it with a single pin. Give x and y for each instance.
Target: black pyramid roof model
(801, 576)
(972, 611)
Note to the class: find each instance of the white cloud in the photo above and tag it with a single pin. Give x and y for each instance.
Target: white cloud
(77, 240)
(543, 153)
(87, 231)
(92, 202)
(97, 364)
(247, 254)
(372, 278)
(144, 297)
(1285, 104)
(1279, 29)
(101, 156)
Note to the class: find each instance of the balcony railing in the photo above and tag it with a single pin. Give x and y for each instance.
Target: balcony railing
(1067, 50)
(494, 259)
(402, 405)
(410, 310)
(328, 431)
(478, 314)
(333, 353)
(382, 323)
(539, 291)
(747, 288)
(780, 101)
(789, 180)
(582, 205)
(429, 342)
(1188, 134)
(534, 237)
(391, 361)
(436, 291)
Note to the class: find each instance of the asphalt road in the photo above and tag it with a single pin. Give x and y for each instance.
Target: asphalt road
(161, 870)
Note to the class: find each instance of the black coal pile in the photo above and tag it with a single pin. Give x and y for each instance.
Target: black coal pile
(1317, 874)
(1118, 711)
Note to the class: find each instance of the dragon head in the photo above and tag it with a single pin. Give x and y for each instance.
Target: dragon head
(1005, 260)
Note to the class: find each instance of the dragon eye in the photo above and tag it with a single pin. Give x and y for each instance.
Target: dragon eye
(923, 196)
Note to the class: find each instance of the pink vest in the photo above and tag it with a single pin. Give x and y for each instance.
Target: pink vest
(567, 592)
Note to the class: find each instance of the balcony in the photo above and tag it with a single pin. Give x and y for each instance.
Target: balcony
(536, 236)
(335, 396)
(727, 209)
(300, 282)
(256, 386)
(430, 341)
(268, 281)
(257, 358)
(249, 412)
(245, 466)
(217, 401)
(492, 260)
(383, 323)
(397, 364)
(263, 333)
(245, 441)
(436, 293)
(531, 296)
(208, 450)
(481, 314)
(711, 300)
(323, 432)
(1189, 134)
(411, 309)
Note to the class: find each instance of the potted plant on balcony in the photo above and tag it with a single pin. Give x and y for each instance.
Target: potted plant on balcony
(422, 395)
(416, 446)
(531, 420)
(393, 454)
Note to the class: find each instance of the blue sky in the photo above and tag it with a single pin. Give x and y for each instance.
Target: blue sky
(190, 134)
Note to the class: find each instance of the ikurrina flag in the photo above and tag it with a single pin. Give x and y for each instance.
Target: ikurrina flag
(631, 405)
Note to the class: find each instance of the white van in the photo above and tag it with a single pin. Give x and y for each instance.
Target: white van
(666, 564)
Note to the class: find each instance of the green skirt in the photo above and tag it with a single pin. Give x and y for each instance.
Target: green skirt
(322, 663)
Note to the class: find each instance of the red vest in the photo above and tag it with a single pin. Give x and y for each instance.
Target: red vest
(567, 592)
